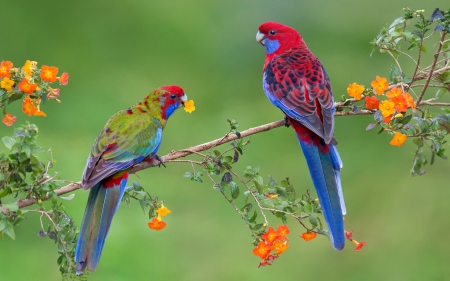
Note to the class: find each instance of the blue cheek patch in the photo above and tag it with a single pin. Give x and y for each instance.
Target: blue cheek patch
(171, 109)
(271, 46)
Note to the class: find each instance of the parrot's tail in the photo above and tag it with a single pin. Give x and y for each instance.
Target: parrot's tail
(324, 165)
(103, 202)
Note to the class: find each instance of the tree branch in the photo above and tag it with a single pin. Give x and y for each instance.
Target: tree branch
(21, 203)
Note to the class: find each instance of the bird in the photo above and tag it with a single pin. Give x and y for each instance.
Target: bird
(295, 81)
(129, 137)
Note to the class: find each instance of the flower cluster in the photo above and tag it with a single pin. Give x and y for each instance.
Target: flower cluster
(30, 83)
(157, 223)
(359, 245)
(396, 104)
(273, 243)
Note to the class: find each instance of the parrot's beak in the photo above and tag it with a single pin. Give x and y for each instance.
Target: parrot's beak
(260, 38)
(184, 99)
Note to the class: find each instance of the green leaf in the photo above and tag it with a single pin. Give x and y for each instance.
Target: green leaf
(253, 218)
(68, 198)
(3, 222)
(9, 230)
(234, 188)
(313, 221)
(8, 142)
(12, 207)
(395, 73)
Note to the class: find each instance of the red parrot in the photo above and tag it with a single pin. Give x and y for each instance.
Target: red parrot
(295, 81)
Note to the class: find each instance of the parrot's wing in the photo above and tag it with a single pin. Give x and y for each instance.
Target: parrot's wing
(301, 89)
(124, 141)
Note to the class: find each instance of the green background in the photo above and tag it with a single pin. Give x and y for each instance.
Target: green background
(118, 51)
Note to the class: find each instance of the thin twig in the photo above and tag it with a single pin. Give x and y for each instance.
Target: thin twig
(436, 56)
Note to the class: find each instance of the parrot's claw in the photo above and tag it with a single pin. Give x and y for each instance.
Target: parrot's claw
(161, 162)
(287, 123)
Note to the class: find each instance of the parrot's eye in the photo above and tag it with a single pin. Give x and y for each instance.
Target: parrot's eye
(272, 32)
(173, 96)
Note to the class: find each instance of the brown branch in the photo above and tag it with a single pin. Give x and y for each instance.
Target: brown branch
(21, 203)
(436, 56)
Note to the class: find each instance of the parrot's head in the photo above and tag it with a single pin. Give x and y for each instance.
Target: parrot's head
(170, 98)
(277, 37)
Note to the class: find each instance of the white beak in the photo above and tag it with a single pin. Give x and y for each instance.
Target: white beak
(260, 38)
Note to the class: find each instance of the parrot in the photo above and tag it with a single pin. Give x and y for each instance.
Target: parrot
(295, 81)
(129, 137)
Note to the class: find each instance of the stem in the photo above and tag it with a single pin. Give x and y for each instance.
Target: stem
(433, 65)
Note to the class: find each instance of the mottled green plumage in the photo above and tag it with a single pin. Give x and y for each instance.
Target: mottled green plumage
(129, 137)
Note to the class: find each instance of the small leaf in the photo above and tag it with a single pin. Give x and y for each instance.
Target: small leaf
(370, 127)
(227, 177)
(378, 116)
(8, 142)
(68, 198)
(9, 230)
(12, 207)
(42, 233)
(437, 15)
(234, 188)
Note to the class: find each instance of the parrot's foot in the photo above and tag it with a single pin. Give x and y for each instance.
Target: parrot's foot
(287, 123)
(161, 162)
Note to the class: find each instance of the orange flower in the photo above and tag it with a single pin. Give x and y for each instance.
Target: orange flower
(308, 236)
(387, 108)
(283, 230)
(270, 236)
(355, 90)
(163, 211)
(262, 250)
(279, 247)
(409, 100)
(349, 234)
(400, 103)
(358, 245)
(7, 84)
(64, 78)
(272, 196)
(53, 94)
(156, 224)
(398, 139)
(39, 113)
(394, 92)
(26, 87)
(5, 67)
(28, 107)
(48, 73)
(380, 84)
(9, 119)
(387, 119)
(372, 102)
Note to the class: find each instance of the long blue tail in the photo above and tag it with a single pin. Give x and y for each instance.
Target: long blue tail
(325, 172)
(101, 206)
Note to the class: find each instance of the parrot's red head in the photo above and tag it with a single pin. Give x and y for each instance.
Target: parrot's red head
(277, 37)
(170, 97)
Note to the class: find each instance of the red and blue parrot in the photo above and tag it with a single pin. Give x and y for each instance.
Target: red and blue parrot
(129, 137)
(295, 81)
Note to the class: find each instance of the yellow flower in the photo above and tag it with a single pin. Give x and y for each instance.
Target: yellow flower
(355, 90)
(7, 84)
(189, 106)
(28, 68)
(398, 139)
(163, 211)
(387, 108)
(380, 84)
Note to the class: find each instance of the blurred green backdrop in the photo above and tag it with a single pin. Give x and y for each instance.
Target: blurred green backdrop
(118, 51)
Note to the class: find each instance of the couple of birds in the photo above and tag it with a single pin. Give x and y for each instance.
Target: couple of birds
(294, 80)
